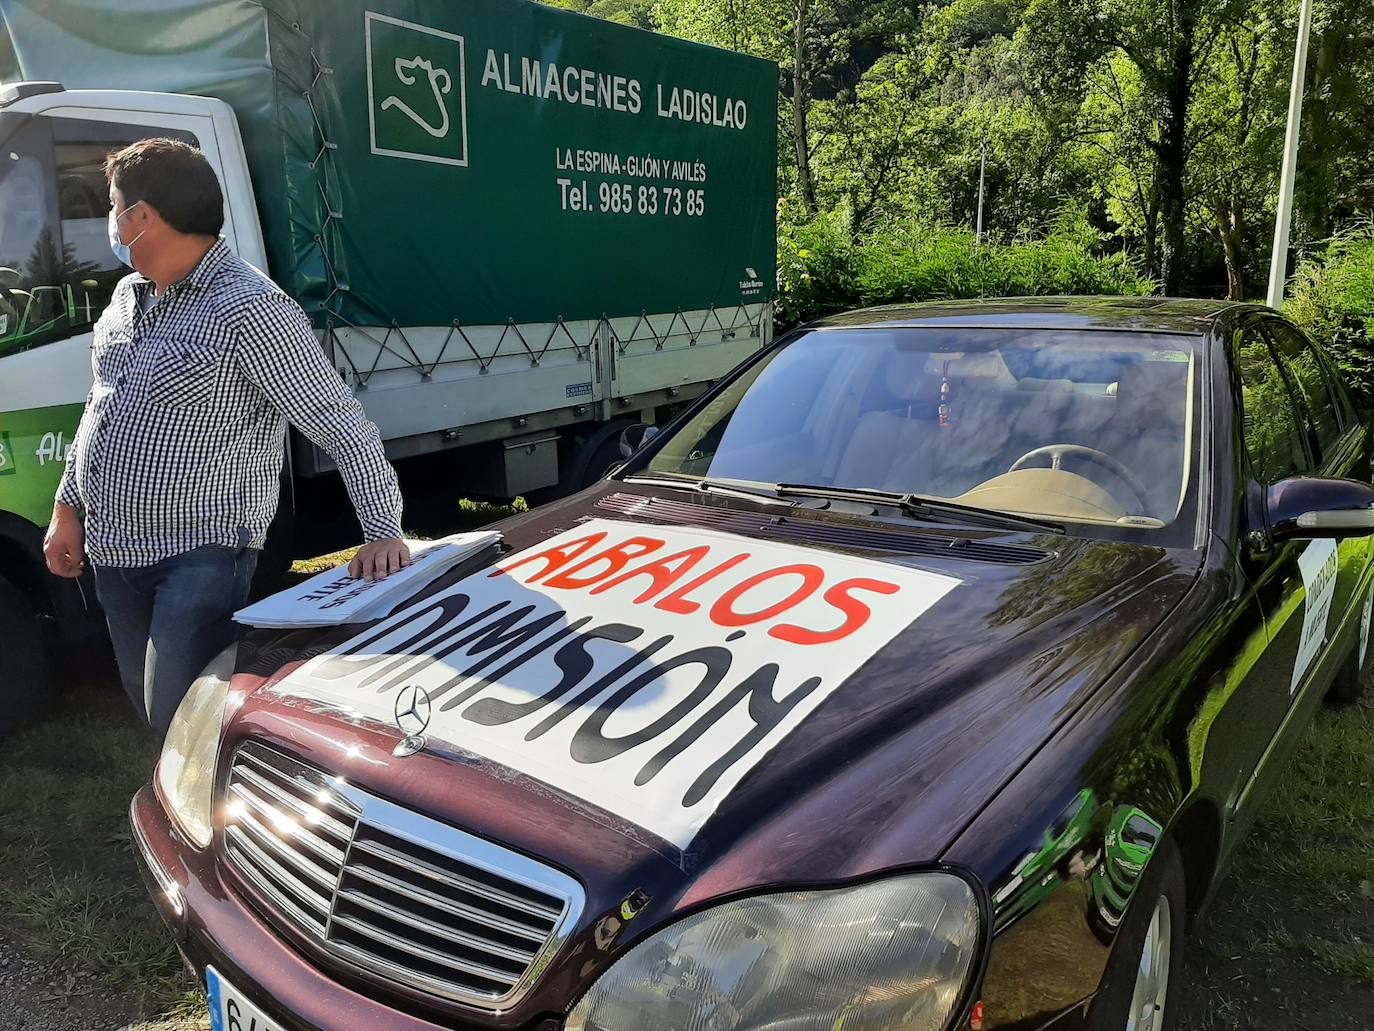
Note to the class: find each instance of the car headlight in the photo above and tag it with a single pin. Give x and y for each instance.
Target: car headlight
(186, 769)
(897, 952)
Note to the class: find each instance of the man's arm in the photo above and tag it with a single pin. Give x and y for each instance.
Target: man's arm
(278, 352)
(64, 545)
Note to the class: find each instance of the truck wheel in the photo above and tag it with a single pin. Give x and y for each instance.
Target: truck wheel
(587, 461)
(599, 460)
(25, 673)
(1140, 988)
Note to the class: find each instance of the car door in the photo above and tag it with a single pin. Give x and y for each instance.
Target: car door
(1275, 447)
(1341, 449)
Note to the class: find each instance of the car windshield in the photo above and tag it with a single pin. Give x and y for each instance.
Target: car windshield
(1085, 427)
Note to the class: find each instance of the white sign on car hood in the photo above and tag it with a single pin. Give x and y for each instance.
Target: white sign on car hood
(644, 669)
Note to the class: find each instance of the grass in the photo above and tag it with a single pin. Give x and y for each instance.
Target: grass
(69, 882)
(1298, 919)
(68, 879)
(1317, 833)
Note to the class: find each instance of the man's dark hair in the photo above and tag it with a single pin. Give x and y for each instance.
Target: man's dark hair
(174, 178)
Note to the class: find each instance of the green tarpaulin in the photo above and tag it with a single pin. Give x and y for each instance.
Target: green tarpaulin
(425, 161)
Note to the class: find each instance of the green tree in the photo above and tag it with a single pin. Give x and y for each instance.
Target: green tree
(1170, 44)
(1236, 137)
(1336, 162)
(638, 13)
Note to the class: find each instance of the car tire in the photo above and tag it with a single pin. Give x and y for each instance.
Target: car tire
(25, 682)
(1157, 914)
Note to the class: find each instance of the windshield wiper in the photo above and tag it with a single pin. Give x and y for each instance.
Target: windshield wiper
(918, 505)
(732, 488)
(910, 504)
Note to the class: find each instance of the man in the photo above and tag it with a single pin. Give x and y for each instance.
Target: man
(200, 361)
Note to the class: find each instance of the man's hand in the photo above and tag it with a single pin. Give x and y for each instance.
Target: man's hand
(64, 547)
(378, 560)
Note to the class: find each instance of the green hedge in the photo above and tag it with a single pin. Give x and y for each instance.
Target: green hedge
(1333, 299)
(821, 269)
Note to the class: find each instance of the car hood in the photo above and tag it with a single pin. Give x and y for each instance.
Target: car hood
(882, 773)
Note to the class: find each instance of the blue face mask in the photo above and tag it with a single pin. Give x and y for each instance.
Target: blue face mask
(121, 249)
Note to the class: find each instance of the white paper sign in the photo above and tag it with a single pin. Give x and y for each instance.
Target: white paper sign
(1364, 625)
(1319, 565)
(643, 669)
(334, 597)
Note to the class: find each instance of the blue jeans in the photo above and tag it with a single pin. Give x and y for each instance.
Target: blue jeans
(168, 620)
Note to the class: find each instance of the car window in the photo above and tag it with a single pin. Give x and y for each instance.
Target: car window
(1340, 389)
(1273, 439)
(1309, 376)
(1079, 426)
(57, 272)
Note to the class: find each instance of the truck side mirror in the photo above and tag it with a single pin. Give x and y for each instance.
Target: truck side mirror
(635, 437)
(1311, 508)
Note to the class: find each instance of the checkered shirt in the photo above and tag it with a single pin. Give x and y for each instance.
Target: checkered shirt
(182, 440)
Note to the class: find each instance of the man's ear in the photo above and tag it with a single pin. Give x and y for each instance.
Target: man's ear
(145, 216)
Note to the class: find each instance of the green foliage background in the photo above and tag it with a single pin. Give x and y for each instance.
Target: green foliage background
(1126, 146)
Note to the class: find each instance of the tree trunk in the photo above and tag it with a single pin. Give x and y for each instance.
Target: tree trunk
(1316, 196)
(1172, 151)
(800, 101)
(1152, 236)
(1231, 230)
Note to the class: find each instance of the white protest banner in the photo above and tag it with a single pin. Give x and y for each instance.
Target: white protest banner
(644, 669)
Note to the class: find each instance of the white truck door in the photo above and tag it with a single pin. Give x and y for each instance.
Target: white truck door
(57, 271)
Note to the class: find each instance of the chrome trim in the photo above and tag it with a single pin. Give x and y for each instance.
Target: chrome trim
(438, 930)
(252, 828)
(469, 913)
(171, 890)
(453, 880)
(339, 874)
(486, 973)
(241, 842)
(313, 815)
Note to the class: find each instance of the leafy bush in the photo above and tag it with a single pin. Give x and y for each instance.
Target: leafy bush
(821, 269)
(816, 274)
(1333, 299)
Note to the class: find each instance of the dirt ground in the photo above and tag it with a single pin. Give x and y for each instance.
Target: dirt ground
(1249, 967)
(41, 995)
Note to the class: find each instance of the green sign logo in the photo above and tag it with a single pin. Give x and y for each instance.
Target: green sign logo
(7, 466)
(416, 91)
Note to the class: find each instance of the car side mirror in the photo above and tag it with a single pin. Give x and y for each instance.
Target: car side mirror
(1310, 508)
(635, 437)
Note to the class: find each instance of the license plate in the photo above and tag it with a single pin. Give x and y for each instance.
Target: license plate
(230, 1011)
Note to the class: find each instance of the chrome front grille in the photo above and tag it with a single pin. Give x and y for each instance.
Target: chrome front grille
(395, 893)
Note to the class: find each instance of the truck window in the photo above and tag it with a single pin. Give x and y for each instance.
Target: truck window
(28, 227)
(56, 269)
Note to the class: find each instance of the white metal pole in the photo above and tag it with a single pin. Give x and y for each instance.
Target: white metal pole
(982, 184)
(1278, 266)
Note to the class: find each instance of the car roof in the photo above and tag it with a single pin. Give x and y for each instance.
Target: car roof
(1119, 314)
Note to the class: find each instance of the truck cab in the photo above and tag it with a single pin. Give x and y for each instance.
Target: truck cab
(57, 273)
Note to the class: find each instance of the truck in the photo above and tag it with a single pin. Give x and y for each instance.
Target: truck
(517, 230)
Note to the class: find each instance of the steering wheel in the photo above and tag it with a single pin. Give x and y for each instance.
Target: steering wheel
(1057, 453)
